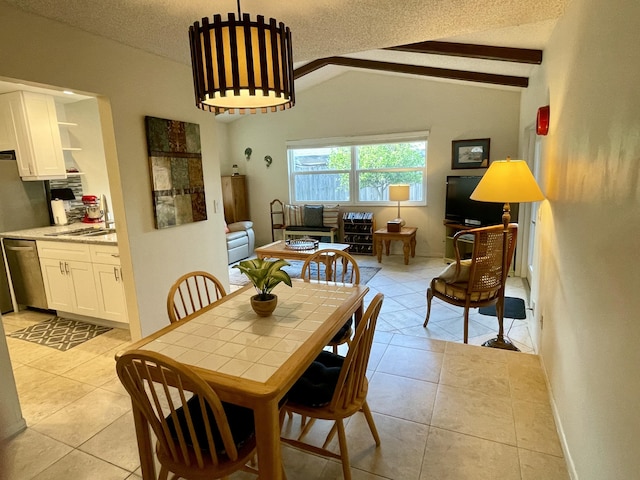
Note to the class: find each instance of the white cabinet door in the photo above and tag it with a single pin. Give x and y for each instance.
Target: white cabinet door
(7, 130)
(110, 290)
(83, 289)
(56, 284)
(37, 137)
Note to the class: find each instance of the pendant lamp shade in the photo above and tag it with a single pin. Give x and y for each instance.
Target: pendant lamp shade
(241, 65)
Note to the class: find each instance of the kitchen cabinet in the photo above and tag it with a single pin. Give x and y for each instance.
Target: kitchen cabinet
(68, 277)
(108, 280)
(235, 198)
(29, 125)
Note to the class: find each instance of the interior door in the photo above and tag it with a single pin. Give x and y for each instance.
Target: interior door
(528, 211)
(534, 164)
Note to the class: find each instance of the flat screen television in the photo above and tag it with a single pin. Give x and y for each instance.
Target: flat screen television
(460, 209)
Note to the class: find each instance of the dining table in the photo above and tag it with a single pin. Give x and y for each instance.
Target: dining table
(250, 360)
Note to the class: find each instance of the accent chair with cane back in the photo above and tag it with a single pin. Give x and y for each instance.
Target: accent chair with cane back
(477, 281)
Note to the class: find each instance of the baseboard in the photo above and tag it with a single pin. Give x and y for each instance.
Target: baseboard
(96, 321)
(14, 428)
(571, 468)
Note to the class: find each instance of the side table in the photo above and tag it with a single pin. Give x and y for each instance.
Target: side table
(407, 235)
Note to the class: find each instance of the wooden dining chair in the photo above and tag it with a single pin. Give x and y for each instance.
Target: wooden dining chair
(337, 266)
(308, 397)
(476, 281)
(192, 292)
(198, 436)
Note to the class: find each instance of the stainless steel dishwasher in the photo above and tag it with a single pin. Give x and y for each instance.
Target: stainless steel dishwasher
(26, 276)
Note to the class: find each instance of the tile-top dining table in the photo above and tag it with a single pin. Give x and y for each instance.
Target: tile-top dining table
(250, 360)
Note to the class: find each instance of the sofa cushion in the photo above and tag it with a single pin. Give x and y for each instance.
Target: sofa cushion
(240, 226)
(237, 238)
(448, 275)
(302, 228)
(313, 216)
(294, 214)
(330, 215)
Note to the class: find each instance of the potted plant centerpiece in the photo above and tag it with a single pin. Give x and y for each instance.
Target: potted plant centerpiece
(265, 275)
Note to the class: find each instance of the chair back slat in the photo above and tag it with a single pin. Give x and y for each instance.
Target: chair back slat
(159, 387)
(352, 383)
(192, 292)
(331, 265)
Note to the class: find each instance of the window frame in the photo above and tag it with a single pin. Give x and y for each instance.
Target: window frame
(353, 172)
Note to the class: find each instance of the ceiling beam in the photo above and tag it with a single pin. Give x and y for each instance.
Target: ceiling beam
(486, 52)
(464, 75)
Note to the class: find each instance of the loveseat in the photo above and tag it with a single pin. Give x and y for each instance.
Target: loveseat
(241, 240)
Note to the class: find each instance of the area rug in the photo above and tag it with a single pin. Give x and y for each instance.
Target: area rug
(237, 278)
(513, 308)
(59, 333)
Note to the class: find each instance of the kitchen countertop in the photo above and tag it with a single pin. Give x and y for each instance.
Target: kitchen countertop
(57, 233)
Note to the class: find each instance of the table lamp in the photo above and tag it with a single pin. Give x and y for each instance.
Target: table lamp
(399, 193)
(506, 181)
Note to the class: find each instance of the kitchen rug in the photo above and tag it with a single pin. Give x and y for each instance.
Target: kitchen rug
(59, 333)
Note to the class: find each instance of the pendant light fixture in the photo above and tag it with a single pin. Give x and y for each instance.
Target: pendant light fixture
(240, 65)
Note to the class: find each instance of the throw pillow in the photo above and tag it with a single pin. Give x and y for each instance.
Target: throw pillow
(313, 216)
(226, 227)
(448, 275)
(293, 215)
(330, 215)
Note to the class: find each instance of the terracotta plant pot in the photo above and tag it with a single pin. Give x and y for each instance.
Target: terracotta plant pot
(264, 308)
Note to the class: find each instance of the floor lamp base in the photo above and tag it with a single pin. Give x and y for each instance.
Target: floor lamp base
(501, 343)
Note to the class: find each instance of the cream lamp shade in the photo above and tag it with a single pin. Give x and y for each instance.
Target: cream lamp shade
(399, 193)
(508, 181)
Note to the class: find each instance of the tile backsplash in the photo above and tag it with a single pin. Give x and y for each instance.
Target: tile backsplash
(76, 207)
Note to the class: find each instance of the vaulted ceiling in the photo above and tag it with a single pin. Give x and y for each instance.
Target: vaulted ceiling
(330, 36)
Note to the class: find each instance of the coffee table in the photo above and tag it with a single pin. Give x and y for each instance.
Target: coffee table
(278, 250)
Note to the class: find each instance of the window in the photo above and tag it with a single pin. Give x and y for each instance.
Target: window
(357, 171)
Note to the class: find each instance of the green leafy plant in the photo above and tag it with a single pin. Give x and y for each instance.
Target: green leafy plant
(264, 274)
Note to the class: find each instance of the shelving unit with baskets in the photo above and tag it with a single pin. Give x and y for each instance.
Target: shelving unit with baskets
(358, 230)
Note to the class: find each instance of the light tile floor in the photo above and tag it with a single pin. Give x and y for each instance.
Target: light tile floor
(444, 410)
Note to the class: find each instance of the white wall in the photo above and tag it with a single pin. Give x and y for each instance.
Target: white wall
(589, 233)
(358, 103)
(11, 420)
(133, 84)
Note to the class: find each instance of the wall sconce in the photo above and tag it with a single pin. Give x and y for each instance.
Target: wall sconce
(268, 160)
(542, 120)
(247, 153)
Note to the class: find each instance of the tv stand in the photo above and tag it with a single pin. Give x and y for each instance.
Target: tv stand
(465, 246)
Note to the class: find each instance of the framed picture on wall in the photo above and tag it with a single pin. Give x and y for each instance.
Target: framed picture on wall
(470, 153)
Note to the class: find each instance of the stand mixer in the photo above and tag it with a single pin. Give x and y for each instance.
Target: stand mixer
(93, 212)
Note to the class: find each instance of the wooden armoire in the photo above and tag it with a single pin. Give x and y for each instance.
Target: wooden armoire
(235, 198)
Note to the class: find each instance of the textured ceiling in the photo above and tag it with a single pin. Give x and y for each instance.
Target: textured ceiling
(320, 28)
